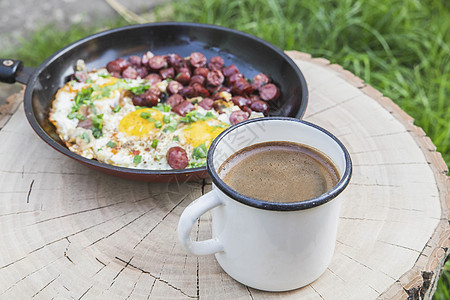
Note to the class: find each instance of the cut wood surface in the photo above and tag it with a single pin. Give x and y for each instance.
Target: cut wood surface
(67, 231)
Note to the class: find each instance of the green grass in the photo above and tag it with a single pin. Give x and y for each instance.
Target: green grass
(401, 48)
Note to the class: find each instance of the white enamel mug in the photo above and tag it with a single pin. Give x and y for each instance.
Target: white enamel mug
(267, 245)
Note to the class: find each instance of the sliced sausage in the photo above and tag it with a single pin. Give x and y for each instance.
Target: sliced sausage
(230, 70)
(135, 60)
(260, 106)
(199, 90)
(86, 123)
(174, 87)
(198, 79)
(259, 80)
(157, 62)
(149, 98)
(197, 60)
(167, 73)
(233, 78)
(146, 58)
(238, 116)
(153, 78)
(177, 158)
(269, 92)
(241, 87)
(183, 76)
(215, 78)
(174, 100)
(187, 92)
(130, 73)
(174, 60)
(216, 63)
(241, 101)
(183, 108)
(117, 65)
(142, 72)
(206, 103)
(201, 71)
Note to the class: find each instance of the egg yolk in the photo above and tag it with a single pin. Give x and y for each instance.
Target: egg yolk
(141, 122)
(201, 131)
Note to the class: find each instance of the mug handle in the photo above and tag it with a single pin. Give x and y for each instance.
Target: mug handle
(187, 220)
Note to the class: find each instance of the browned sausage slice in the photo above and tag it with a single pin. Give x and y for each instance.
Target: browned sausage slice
(157, 62)
(241, 101)
(215, 78)
(177, 158)
(167, 73)
(206, 103)
(117, 65)
(174, 100)
(238, 116)
(183, 108)
(174, 87)
(259, 80)
(183, 76)
(201, 71)
(197, 60)
(269, 92)
(260, 106)
(130, 73)
(153, 78)
(230, 70)
(216, 63)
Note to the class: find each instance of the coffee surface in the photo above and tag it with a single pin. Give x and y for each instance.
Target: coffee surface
(279, 172)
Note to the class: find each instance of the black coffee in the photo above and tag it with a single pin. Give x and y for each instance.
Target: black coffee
(279, 172)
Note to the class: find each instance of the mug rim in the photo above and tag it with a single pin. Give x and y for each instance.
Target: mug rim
(279, 206)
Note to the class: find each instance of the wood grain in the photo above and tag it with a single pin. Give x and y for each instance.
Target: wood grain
(70, 232)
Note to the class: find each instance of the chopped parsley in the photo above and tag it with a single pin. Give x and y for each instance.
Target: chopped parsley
(200, 152)
(155, 143)
(85, 136)
(97, 122)
(162, 107)
(111, 144)
(137, 159)
(117, 108)
(194, 116)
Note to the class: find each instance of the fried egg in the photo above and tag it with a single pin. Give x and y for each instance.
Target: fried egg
(98, 120)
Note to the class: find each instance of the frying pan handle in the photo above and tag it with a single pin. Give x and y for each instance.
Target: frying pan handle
(13, 70)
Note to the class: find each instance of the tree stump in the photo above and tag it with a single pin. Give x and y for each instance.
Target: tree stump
(67, 231)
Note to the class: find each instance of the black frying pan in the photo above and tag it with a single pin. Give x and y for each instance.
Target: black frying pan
(250, 54)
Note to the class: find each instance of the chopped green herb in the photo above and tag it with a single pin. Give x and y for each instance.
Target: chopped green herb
(175, 138)
(96, 132)
(140, 89)
(162, 107)
(75, 115)
(137, 159)
(194, 164)
(117, 108)
(158, 124)
(166, 119)
(200, 151)
(97, 121)
(85, 136)
(194, 116)
(104, 75)
(145, 115)
(82, 97)
(155, 143)
(111, 144)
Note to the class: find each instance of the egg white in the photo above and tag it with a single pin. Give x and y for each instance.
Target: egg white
(118, 148)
